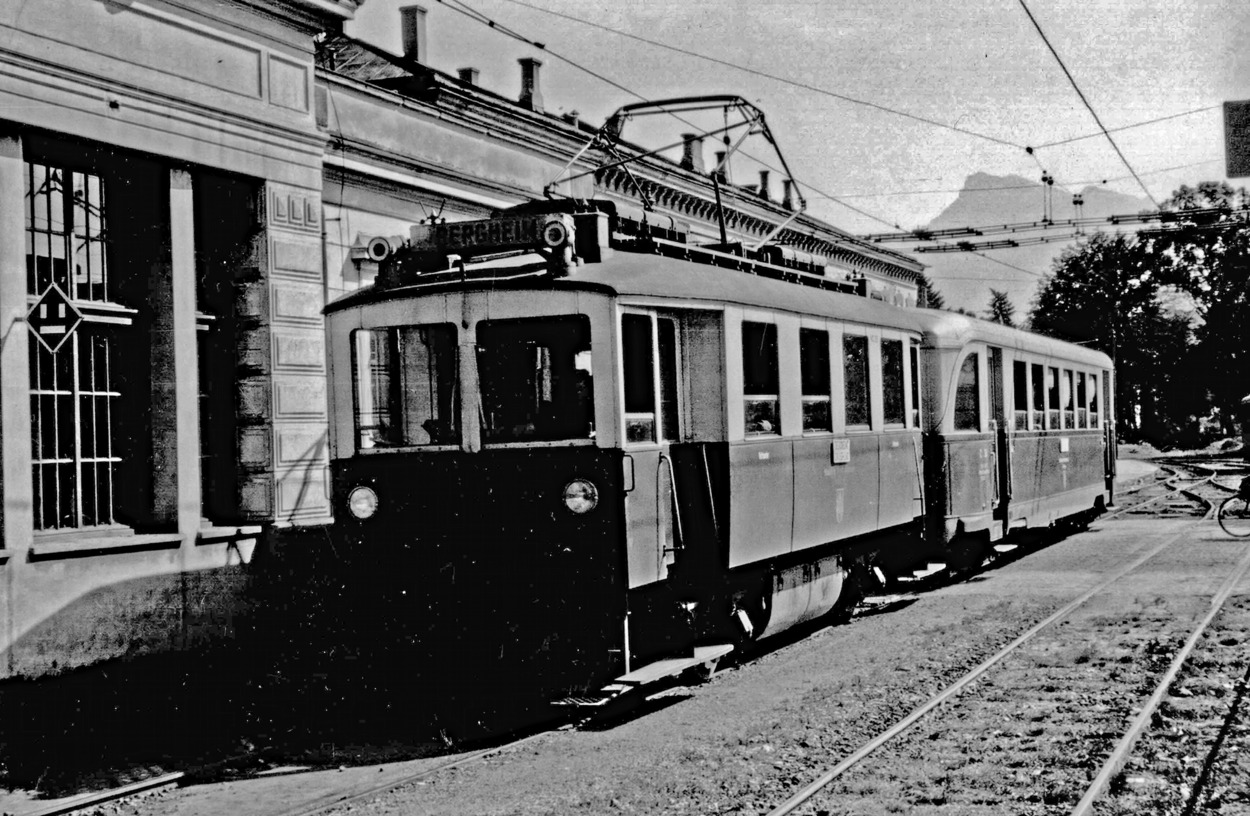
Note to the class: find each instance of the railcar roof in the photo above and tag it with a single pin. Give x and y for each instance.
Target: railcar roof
(643, 275)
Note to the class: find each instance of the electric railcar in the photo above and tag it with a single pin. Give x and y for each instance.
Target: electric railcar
(591, 448)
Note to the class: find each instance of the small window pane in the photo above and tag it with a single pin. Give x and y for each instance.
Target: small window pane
(639, 378)
(760, 390)
(1052, 398)
(968, 395)
(1067, 396)
(892, 382)
(1020, 392)
(855, 368)
(814, 372)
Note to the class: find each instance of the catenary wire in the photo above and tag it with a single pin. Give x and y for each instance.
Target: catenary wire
(463, 8)
(1086, 102)
(1126, 127)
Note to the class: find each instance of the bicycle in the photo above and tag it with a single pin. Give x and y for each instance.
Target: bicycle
(1234, 512)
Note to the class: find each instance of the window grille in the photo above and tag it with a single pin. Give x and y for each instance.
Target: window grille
(73, 393)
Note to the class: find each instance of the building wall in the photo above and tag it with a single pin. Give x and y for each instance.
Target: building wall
(178, 107)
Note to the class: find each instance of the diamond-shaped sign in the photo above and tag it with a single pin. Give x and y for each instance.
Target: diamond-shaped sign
(53, 318)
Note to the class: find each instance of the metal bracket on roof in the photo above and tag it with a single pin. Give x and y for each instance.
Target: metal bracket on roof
(750, 121)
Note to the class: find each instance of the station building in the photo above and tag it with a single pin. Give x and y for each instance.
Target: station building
(183, 186)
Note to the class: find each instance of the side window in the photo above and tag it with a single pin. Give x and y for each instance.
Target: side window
(1052, 397)
(814, 373)
(1081, 421)
(915, 385)
(968, 395)
(406, 386)
(858, 388)
(1094, 415)
(1020, 393)
(760, 380)
(638, 378)
(1038, 380)
(1068, 395)
(892, 382)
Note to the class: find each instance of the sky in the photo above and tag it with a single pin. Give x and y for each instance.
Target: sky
(975, 65)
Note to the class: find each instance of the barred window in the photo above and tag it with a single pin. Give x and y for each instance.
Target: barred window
(73, 392)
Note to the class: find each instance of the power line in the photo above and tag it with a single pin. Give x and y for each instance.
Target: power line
(463, 8)
(775, 77)
(1088, 106)
(1127, 127)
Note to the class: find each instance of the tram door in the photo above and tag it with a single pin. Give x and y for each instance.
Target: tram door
(1002, 442)
(650, 366)
(673, 408)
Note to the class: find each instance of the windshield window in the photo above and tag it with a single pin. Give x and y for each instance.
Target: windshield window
(536, 381)
(406, 386)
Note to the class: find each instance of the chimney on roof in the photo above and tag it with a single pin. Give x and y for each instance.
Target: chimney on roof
(468, 75)
(787, 193)
(764, 185)
(573, 118)
(692, 152)
(531, 94)
(412, 28)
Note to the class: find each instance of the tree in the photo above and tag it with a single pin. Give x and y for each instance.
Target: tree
(929, 297)
(1104, 293)
(1001, 309)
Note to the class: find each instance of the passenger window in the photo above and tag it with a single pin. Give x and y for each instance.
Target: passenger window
(1067, 395)
(857, 386)
(760, 388)
(1094, 414)
(892, 382)
(1039, 397)
(1052, 398)
(968, 395)
(406, 386)
(915, 385)
(639, 378)
(1020, 393)
(1081, 421)
(814, 373)
(535, 378)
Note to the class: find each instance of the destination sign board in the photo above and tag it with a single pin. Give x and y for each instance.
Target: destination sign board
(509, 232)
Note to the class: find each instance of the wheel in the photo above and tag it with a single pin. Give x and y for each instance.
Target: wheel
(1234, 516)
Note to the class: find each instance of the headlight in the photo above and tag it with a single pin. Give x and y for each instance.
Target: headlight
(363, 502)
(580, 496)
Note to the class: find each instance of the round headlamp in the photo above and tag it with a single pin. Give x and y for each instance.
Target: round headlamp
(362, 502)
(581, 496)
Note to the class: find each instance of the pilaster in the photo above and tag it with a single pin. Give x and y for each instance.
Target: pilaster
(282, 388)
(16, 522)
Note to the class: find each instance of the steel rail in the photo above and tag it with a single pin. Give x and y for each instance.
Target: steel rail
(338, 799)
(959, 685)
(1120, 754)
(1173, 492)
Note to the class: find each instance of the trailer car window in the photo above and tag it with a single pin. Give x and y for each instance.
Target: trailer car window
(915, 385)
(1068, 396)
(1020, 394)
(1093, 401)
(814, 373)
(407, 389)
(1080, 400)
(1052, 398)
(858, 387)
(968, 395)
(760, 379)
(892, 382)
(535, 378)
(1039, 397)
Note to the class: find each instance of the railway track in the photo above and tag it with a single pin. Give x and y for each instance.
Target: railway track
(1035, 661)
